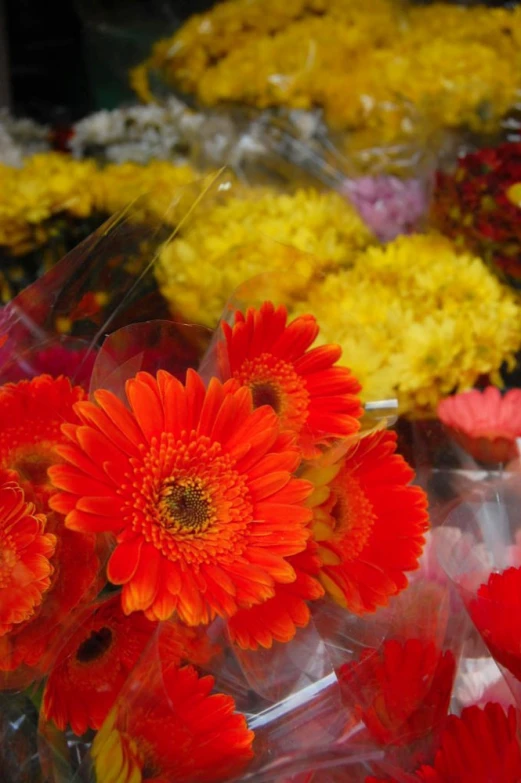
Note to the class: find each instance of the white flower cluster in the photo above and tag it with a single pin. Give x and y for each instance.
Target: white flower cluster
(173, 131)
(138, 133)
(20, 138)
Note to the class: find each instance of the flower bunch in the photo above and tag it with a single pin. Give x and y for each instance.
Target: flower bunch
(137, 133)
(479, 206)
(221, 568)
(238, 238)
(418, 319)
(460, 65)
(220, 505)
(389, 206)
(20, 138)
(51, 186)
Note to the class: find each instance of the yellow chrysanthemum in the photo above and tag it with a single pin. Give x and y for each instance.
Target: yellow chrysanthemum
(120, 183)
(238, 239)
(417, 319)
(48, 184)
(462, 66)
(52, 184)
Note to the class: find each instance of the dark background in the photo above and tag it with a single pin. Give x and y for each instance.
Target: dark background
(69, 57)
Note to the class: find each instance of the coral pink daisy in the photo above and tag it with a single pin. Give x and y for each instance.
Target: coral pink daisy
(486, 424)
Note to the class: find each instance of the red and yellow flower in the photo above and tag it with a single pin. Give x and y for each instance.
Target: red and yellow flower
(313, 398)
(368, 522)
(25, 557)
(176, 731)
(196, 486)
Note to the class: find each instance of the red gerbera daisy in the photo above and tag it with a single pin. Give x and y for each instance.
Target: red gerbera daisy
(278, 618)
(198, 488)
(402, 690)
(31, 415)
(312, 397)
(369, 524)
(496, 612)
(75, 581)
(480, 746)
(93, 666)
(176, 731)
(25, 552)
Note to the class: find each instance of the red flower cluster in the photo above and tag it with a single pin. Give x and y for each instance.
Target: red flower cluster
(479, 205)
(228, 500)
(481, 746)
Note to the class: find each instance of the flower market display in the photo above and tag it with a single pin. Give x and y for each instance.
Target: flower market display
(260, 430)
(352, 58)
(217, 564)
(418, 318)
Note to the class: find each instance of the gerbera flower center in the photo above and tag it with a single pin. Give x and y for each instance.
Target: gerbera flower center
(352, 516)
(266, 394)
(95, 646)
(189, 500)
(32, 463)
(185, 503)
(274, 382)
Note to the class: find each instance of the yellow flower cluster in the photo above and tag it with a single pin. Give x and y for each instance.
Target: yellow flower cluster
(253, 231)
(417, 319)
(53, 184)
(354, 58)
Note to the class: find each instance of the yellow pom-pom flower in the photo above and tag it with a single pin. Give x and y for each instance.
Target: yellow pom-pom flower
(353, 58)
(417, 320)
(249, 234)
(52, 185)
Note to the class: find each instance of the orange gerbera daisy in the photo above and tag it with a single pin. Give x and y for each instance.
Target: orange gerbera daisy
(197, 487)
(75, 580)
(496, 613)
(31, 415)
(278, 618)
(480, 746)
(176, 731)
(402, 690)
(369, 524)
(25, 552)
(312, 397)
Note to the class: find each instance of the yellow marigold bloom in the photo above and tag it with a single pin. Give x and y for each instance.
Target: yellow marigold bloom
(352, 57)
(247, 235)
(417, 319)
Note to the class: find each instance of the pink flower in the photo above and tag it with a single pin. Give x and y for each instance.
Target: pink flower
(390, 206)
(486, 424)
